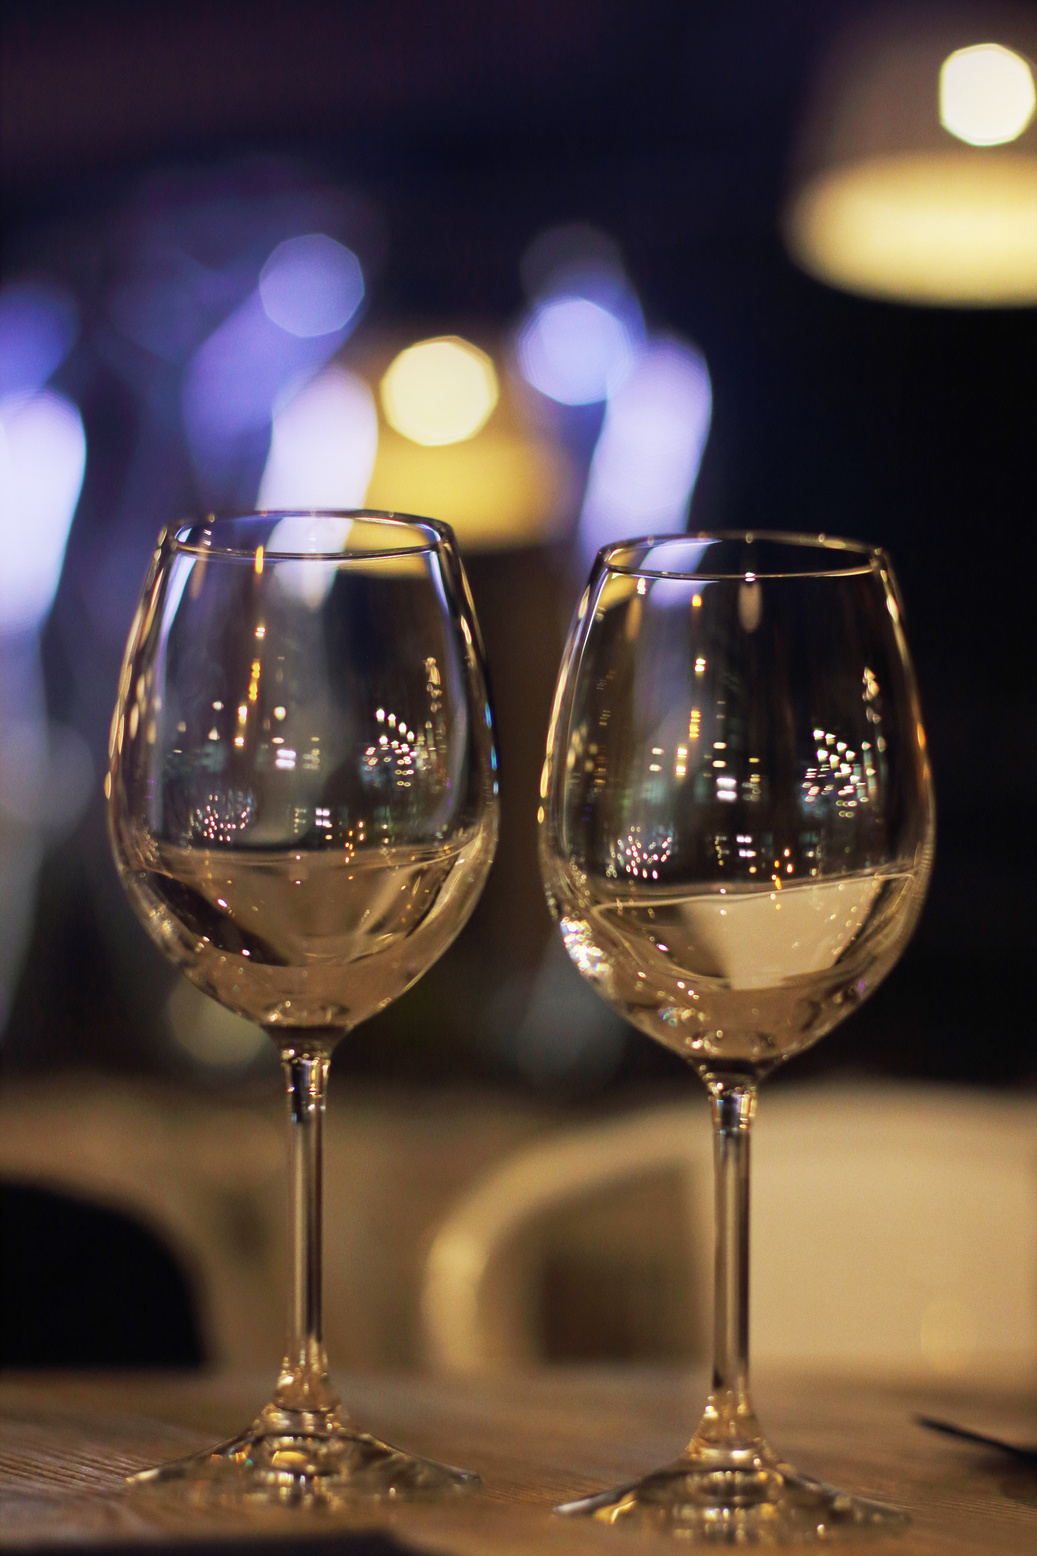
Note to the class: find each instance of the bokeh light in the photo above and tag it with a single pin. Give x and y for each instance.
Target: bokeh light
(440, 391)
(165, 300)
(46, 771)
(322, 451)
(574, 350)
(953, 229)
(210, 1034)
(231, 387)
(647, 458)
(38, 327)
(42, 461)
(311, 285)
(885, 199)
(506, 488)
(987, 94)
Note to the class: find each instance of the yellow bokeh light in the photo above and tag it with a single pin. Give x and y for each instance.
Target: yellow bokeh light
(505, 489)
(439, 391)
(987, 94)
(953, 229)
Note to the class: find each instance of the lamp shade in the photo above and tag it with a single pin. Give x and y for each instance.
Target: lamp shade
(915, 174)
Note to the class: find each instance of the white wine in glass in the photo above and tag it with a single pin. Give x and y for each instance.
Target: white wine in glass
(303, 807)
(736, 835)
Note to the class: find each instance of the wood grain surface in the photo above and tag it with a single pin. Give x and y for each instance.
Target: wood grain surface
(68, 1442)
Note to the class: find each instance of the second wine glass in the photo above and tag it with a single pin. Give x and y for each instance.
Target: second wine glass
(736, 835)
(303, 807)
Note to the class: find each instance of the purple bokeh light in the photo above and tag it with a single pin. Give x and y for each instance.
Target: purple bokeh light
(311, 285)
(647, 458)
(39, 323)
(574, 350)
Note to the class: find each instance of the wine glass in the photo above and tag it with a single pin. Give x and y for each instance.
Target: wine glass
(303, 807)
(736, 834)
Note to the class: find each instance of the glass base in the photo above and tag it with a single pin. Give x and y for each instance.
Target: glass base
(306, 1459)
(763, 1502)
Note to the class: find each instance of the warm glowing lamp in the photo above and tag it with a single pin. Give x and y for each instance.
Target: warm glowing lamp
(501, 490)
(916, 176)
(987, 95)
(439, 391)
(465, 446)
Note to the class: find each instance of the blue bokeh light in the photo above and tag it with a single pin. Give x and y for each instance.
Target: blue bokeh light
(323, 447)
(231, 387)
(311, 285)
(42, 462)
(647, 458)
(39, 323)
(575, 350)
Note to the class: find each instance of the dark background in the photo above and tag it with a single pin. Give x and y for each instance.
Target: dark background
(460, 131)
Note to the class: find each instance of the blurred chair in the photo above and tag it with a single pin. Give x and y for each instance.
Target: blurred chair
(201, 1177)
(894, 1231)
(86, 1287)
(207, 1179)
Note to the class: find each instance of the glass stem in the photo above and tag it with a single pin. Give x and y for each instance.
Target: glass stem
(303, 1383)
(729, 1421)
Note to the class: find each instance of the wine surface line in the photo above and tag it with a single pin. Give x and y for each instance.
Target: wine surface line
(304, 938)
(742, 973)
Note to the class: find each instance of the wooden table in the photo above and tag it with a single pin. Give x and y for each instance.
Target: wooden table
(536, 1439)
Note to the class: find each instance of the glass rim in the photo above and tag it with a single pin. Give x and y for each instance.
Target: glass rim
(435, 532)
(872, 558)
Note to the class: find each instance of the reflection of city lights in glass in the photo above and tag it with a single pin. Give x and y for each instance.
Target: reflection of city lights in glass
(439, 391)
(987, 94)
(841, 779)
(398, 752)
(323, 447)
(220, 817)
(311, 285)
(641, 853)
(575, 351)
(743, 839)
(42, 460)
